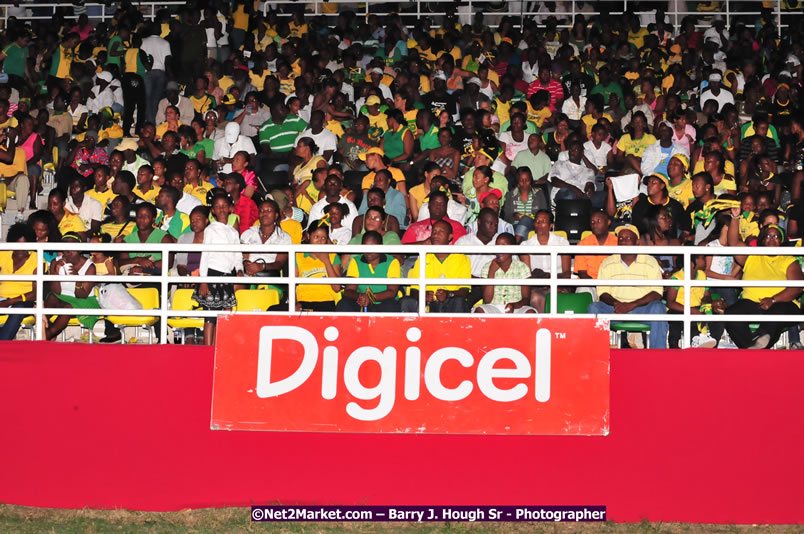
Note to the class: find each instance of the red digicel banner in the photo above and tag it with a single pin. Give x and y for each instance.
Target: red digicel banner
(437, 375)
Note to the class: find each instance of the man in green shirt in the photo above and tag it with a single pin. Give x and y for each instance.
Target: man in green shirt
(277, 137)
(15, 59)
(606, 87)
(171, 220)
(372, 298)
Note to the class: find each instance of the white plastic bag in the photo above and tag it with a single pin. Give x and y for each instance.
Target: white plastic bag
(115, 297)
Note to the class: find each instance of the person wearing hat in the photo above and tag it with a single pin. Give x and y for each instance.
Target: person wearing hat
(657, 186)
(131, 160)
(376, 76)
(376, 162)
(378, 120)
(86, 155)
(657, 155)
(715, 92)
(173, 98)
(632, 299)
(680, 185)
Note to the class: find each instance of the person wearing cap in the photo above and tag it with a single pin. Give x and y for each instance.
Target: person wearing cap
(378, 120)
(231, 143)
(376, 162)
(657, 195)
(376, 75)
(101, 95)
(131, 160)
(86, 156)
(657, 155)
(632, 299)
(174, 98)
(715, 92)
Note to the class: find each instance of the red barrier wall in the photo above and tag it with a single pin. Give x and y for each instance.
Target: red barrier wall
(696, 436)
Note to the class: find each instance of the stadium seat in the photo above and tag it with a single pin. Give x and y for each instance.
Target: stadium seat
(149, 298)
(256, 300)
(572, 216)
(570, 303)
(183, 301)
(629, 326)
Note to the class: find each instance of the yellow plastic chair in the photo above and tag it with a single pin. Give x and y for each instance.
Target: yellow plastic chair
(251, 300)
(183, 301)
(559, 233)
(149, 298)
(585, 234)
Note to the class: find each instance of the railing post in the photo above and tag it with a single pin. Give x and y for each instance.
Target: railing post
(687, 331)
(40, 291)
(553, 283)
(163, 297)
(728, 15)
(422, 282)
(292, 281)
(779, 18)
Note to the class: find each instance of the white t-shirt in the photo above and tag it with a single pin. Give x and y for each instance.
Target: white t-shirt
(157, 48)
(597, 155)
(513, 147)
(252, 237)
(725, 97)
(225, 150)
(90, 210)
(220, 234)
(340, 236)
(542, 261)
(317, 211)
(720, 264)
(325, 140)
(571, 173)
(477, 260)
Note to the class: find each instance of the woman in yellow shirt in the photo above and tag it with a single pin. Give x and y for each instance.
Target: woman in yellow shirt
(68, 222)
(17, 294)
(318, 297)
(760, 301)
(171, 123)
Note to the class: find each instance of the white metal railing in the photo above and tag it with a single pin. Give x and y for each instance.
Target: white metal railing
(519, 9)
(417, 280)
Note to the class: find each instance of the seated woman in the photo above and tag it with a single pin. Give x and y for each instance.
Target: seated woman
(704, 335)
(418, 194)
(375, 198)
(505, 299)
(119, 224)
(317, 297)
(240, 163)
(659, 232)
(447, 157)
(306, 151)
(763, 300)
(46, 230)
(522, 204)
(149, 262)
(371, 298)
(540, 263)
(69, 294)
(267, 233)
(17, 294)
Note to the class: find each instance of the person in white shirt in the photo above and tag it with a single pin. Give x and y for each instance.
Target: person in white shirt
(267, 232)
(187, 202)
(89, 210)
(575, 105)
(213, 295)
(486, 234)
(325, 140)
(332, 188)
(715, 92)
(597, 152)
(231, 143)
(173, 98)
(540, 264)
(101, 94)
(159, 50)
(571, 179)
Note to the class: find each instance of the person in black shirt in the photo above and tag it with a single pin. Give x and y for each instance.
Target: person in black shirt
(657, 196)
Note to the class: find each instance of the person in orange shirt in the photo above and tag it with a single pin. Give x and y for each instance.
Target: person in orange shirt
(588, 266)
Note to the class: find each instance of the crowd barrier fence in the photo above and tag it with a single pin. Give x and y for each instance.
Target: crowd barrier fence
(414, 280)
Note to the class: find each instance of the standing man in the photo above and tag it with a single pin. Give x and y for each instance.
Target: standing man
(159, 51)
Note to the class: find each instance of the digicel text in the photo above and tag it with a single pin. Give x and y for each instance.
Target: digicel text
(385, 389)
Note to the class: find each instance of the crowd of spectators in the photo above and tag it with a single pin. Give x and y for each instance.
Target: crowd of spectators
(217, 123)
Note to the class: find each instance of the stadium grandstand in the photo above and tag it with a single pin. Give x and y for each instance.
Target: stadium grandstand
(334, 142)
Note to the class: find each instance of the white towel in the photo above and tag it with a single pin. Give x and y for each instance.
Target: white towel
(626, 187)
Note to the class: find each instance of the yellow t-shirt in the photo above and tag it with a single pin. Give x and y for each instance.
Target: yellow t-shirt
(150, 195)
(418, 194)
(303, 203)
(258, 81)
(453, 266)
(18, 165)
(538, 117)
(225, 83)
(163, 128)
(310, 267)
(335, 127)
(293, 228)
(699, 167)
(697, 293)
(199, 192)
(240, 18)
(368, 180)
(297, 31)
(15, 289)
(118, 229)
(590, 122)
(71, 223)
(682, 192)
(104, 198)
(635, 147)
(380, 120)
(765, 268)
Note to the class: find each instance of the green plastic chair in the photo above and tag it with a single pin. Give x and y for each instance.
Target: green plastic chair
(570, 303)
(617, 328)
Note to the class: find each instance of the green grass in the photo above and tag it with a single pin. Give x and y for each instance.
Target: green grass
(25, 520)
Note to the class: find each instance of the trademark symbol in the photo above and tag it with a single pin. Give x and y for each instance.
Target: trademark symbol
(561, 335)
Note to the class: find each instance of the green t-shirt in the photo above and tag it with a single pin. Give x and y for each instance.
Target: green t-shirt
(387, 268)
(16, 56)
(281, 137)
(156, 237)
(117, 59)
(429, 141)
(390, 238)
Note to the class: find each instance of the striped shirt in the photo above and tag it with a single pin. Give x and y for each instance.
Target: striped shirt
(643, 268)
(281, 137)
